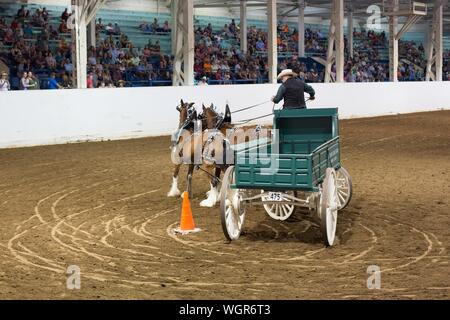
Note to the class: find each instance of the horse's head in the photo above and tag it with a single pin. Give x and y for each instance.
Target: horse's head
(188, 114)
(211, 118)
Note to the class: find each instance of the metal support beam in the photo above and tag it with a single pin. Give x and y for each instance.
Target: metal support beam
(184, 44)
(412, 20)
(79, 45)
(435, 49)
(350, 33)
(84, 12)
(335, 53)
(174, 16)
(393, 43)
(301, 28)
(92, 34)
(272, 48)
(244, 31)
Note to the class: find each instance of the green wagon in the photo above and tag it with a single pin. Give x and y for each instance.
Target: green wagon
(299, 167)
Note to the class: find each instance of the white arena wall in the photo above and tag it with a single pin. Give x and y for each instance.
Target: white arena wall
(62, 116)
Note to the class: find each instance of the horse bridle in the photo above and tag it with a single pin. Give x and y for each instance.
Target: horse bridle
(191, 117)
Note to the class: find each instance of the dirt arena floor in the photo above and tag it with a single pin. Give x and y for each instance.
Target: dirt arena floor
(103, 207)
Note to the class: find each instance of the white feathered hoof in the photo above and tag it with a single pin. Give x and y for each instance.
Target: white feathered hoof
(174, 191)
(213, 197)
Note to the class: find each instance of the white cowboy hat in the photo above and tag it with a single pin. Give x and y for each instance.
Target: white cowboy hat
(287, 73)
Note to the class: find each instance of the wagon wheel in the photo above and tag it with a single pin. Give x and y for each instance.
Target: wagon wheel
(232, 209)
(345, 188)
(280, 212)
(328, 207)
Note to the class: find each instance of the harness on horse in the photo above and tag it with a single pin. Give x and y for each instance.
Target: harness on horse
(186, 125)
(221, 119)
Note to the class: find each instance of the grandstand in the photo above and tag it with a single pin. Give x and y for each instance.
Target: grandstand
(146, 56)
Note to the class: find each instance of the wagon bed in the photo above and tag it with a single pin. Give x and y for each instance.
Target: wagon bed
(307, 144)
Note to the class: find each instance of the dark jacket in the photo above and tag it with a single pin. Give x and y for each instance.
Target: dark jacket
(293, 93)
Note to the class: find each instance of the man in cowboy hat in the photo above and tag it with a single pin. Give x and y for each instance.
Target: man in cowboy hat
(293, 91)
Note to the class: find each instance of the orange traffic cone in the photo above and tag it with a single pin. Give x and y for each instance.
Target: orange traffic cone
(187, 224)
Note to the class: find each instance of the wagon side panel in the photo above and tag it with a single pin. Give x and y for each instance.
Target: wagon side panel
(325, 157)
(273, 171)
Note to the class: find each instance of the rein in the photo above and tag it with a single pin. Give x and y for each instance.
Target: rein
(251, 107)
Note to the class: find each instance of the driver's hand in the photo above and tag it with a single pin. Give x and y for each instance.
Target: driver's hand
(272, 98)
(312, 98)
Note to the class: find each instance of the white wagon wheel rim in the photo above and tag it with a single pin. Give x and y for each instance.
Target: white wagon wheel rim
(329, 207)
(232, 208)
(280, 212)
(345, 189)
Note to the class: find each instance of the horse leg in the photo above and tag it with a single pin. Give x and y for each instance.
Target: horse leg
(189, 180)
(213, 194)
(174, 191)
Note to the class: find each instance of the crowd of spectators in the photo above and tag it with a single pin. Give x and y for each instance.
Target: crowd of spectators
(154, 27)
(366, 65)
(446, 67)
(111, 63)
(44, 53)
(116, 62)
(412, 61)
(219, 58)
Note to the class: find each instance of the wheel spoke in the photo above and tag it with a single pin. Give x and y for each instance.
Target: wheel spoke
(285, 210)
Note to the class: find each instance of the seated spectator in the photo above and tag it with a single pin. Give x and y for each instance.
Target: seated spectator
(63, 27)
(65, 15)
(33, 82)
(99, 25)
(157, 47)
(68, 66)
(144, 26)
(52, 83)
(45, 14)
(51, 62)
(24, 82)
(92, 60)
(155, 25)
(53, 34)
(109, 29)
(166, 27)
(90, 81)
(208, 28)
(22, 12)
(28, 31)
(203, 81)
(260, 45)
(38, 18)
(62, 45)
(8, 39)
(3, 25)
(232, 27)
(4, 82)
(116, 30)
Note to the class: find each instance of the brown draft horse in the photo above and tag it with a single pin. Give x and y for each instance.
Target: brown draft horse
(184, 145)
(221, 137)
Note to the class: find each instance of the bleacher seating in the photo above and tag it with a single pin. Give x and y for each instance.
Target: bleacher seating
(129, 22)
